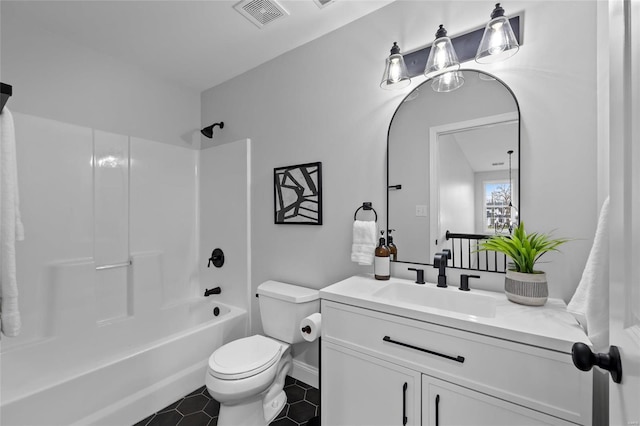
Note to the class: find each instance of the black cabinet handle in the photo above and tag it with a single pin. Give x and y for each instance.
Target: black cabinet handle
(456, 358)
(404, 404)
(437, 409)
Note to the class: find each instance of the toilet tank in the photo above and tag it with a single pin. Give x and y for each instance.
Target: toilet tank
(283, 306)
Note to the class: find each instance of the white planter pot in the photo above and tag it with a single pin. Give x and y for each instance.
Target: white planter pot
(526, 289)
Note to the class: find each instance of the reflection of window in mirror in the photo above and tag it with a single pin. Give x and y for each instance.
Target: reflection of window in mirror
(497, 206)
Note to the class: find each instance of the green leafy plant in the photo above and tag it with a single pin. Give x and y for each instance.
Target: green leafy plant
(522, 248)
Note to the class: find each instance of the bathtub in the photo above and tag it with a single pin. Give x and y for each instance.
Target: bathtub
(107, 376)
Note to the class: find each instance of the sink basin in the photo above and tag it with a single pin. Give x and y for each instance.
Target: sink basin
(428, 295)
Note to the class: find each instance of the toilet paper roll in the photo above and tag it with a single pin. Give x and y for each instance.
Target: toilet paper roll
(310, 327)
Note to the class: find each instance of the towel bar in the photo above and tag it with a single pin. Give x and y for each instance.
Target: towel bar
(366, 206)
(113, 266)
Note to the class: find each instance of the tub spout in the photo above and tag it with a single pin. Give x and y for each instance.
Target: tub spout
(215, 290)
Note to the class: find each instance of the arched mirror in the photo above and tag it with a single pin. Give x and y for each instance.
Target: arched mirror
(453, 169)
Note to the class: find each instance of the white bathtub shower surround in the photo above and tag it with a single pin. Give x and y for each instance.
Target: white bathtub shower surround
(164, 212)
(67, 176)
(115, 377)
(224, 197)
(125, 341)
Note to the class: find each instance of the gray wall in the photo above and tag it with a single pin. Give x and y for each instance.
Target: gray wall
(321, 102)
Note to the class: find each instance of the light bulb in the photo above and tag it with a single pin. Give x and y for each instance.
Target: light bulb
(441, 56)
(498, 41)
(395, 71)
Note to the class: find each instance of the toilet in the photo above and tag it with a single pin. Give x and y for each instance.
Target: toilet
(246, 376)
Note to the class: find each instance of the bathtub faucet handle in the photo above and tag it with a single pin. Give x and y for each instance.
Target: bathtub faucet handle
(209, 292)
(217, 258)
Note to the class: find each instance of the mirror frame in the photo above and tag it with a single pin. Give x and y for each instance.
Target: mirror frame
(515, 99)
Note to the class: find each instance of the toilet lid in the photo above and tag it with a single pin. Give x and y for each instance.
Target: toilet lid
(244, 357)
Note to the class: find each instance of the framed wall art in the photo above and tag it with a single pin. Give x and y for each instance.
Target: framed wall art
(298, 194)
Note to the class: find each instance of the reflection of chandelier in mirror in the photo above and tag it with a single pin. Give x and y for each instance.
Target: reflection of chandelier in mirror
(498, 41)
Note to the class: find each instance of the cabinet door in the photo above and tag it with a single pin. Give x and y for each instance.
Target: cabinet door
(446, 404)
(361, 390)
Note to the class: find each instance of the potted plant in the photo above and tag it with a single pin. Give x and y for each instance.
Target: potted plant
(523, 284)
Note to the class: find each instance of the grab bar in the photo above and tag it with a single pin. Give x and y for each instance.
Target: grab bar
(113, 266)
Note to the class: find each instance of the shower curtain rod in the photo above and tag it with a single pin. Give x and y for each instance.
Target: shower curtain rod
(6, 90)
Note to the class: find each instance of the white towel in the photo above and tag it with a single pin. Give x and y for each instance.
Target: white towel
(11, 229)
(364, 242)
(590, 303)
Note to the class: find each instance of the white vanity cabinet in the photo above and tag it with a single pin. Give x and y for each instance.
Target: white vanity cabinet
(444, 403)
(363, 390)
(453, 376)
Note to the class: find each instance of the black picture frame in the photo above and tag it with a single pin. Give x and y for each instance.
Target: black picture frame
(297, 194)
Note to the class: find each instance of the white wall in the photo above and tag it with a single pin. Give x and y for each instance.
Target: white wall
(321, 102)
(60, 79)
(456, 187)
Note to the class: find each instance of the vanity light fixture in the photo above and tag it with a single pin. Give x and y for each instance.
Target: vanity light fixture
(395, 71)
(442, 56)
(502, 34)
(498, 41)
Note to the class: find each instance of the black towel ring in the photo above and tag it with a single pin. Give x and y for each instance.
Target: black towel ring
(366, 206)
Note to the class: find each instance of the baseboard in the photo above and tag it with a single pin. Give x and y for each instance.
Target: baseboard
(305, 373)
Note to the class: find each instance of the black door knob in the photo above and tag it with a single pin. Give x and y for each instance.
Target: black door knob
(584, 359)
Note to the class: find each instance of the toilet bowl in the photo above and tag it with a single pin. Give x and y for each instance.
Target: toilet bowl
(247, 376)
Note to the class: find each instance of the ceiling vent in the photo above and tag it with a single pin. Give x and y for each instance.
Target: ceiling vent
(322, 3)
(261, 12)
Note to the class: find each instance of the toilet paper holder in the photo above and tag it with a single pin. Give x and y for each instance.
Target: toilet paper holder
(310, 327)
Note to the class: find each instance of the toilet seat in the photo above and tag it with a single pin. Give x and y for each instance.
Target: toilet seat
(244, 358)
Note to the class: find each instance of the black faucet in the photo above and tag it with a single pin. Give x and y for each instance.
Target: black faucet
(464, 281)
(215, 290)
(440, 261)
(419, 275)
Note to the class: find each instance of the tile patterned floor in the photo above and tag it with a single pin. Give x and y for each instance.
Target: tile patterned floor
(199, 409)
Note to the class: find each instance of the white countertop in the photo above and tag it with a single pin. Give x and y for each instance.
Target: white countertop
(549, 326)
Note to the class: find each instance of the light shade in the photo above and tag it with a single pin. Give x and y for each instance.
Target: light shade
(442, 57)
(447, 82)
(498, 41)
(395, 74)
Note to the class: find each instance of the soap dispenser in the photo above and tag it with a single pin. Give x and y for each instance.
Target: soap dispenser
(393, 250)
(381, 265)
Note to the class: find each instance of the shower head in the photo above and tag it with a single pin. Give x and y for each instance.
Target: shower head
(208, 131)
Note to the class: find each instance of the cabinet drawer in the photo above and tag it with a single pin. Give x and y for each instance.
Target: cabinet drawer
(542, 379)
